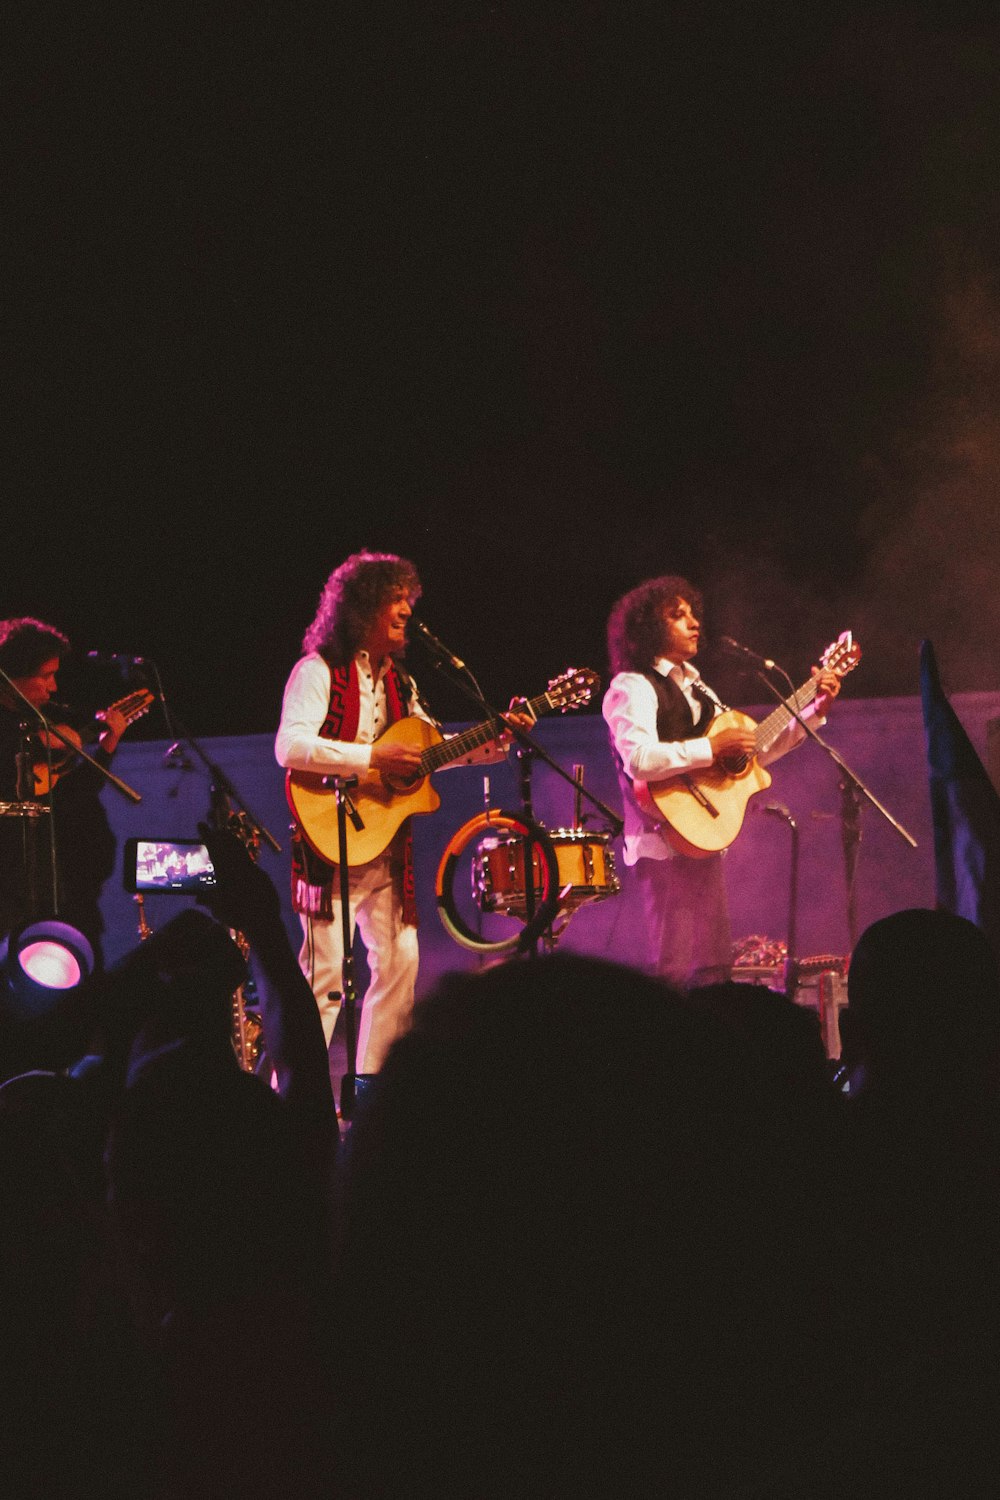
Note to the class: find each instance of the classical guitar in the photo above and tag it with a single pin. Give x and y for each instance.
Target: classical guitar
(384, 803)
(61, 757)
(703, 811)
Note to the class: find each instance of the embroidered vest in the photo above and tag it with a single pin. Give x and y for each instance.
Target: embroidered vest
(312, 877)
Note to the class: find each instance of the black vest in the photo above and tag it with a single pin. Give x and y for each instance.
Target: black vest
(673, 712)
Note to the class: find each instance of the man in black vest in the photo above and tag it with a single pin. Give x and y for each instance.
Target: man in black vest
(659, 711)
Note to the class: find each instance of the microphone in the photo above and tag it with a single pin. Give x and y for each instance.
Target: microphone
(115, 659)
(431, 640)
(735, 648)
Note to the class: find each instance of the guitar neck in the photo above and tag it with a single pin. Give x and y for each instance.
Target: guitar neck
(778, 721)
(436, 756)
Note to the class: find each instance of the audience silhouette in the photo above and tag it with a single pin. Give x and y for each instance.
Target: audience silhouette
(168, 1223)
(585, 1236)
(586, 1249)
(921, 1048)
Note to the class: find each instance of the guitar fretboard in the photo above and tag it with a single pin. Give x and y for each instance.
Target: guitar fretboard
(770, 728)
(436, 756)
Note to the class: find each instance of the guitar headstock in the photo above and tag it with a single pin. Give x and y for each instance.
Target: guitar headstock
(573, 688)
(843, 655)
(134, 705)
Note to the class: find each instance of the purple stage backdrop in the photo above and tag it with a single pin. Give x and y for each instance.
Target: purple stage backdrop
(880, 740)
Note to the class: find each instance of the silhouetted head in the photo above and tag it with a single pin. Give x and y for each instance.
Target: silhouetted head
(924, 1002)
(573, 1238)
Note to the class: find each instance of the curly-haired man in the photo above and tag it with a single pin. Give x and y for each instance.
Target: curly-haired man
(659, 712)
(348, 686)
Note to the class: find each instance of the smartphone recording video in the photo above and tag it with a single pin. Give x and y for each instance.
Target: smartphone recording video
(178, 865)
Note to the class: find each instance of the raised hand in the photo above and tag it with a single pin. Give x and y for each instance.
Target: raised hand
(244, 895)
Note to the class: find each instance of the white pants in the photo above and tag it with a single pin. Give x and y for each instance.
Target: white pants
(687, 919)
(391, 943)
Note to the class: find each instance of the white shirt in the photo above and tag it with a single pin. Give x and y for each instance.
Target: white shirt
(299, 746)
(630, 708)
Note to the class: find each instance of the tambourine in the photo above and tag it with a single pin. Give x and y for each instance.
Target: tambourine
(548, 906)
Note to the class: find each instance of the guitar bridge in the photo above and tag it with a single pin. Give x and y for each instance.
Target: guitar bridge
(700, 797)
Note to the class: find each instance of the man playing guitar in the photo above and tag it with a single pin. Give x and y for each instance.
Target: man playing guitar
(35, 775)
(659, 714)
(347, 689)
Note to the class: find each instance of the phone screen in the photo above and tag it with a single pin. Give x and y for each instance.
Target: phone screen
(168, 865)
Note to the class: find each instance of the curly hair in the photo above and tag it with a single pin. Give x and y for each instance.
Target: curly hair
(25, 644)
(635, 625)
(352, 596)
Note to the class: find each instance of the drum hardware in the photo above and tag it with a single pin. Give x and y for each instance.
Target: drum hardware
(519, 827)
(552, 890)
(585, 863)
(820, 982)
(577, 796)
(23, 809)
(760, 960)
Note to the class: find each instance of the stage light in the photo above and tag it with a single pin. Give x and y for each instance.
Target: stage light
(41, 963)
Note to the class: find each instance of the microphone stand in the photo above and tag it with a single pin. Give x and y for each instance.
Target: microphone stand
(346, 808)
(176, 756)
(25, 780)
(527, 747)
(850, 835)
(791, 976)
(852, 790)
(221, 784)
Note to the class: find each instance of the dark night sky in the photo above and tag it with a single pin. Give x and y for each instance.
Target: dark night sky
(547, 298)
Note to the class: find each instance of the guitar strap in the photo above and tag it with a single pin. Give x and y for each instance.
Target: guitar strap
(313, 879)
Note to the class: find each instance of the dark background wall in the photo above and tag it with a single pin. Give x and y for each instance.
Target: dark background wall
(548, 297)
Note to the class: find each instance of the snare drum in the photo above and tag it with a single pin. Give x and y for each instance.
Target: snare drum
(586, 864)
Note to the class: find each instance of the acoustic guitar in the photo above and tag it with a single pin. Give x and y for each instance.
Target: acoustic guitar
(382, 802)
(702, 811)
(50, 769)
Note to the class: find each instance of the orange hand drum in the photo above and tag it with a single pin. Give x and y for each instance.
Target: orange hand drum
(586, 864)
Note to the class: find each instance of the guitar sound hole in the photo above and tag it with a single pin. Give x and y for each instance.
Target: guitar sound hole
(401, 783)
(735, 765)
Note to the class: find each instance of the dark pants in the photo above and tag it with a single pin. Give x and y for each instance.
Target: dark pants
(687, 919)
